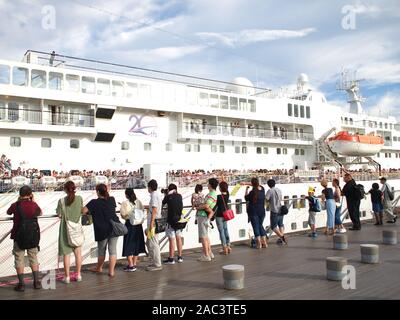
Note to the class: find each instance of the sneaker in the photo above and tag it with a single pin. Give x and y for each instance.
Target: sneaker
(342, 230)
(169, 261)
(391, 221)
(180, 259)
(314, 235)
(212, 255)
(78, 278)
(204, 258)
(20, 287)
(130, 269)
(284, 240)
(279, 241)
(153, 268)
(66, 280)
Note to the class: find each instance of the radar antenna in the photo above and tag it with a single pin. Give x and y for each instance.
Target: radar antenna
(351, 84)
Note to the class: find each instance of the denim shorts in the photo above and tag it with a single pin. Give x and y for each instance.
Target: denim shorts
(276, 220)
(172, 233)
(377, 207)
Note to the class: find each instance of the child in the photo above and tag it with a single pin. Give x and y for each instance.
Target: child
(312, 211)
(377, 206)
(197, 196)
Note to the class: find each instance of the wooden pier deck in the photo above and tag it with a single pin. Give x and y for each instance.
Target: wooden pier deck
(296, 271)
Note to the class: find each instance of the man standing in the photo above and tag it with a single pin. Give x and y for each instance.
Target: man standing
(154, 212)
(26, 235)
(353, 199)
(274, 197)
(387, 200)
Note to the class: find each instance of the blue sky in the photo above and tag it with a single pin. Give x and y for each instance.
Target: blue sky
(269, 42)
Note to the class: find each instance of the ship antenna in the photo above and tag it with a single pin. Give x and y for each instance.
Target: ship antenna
(351, 84)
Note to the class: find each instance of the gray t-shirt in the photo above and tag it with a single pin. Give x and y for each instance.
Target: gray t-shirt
(274, 197)
(155, 202)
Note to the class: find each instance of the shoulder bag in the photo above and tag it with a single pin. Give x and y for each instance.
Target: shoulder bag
(228, 213)
(75, 233)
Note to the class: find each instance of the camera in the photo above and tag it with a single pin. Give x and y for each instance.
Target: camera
(164, 190)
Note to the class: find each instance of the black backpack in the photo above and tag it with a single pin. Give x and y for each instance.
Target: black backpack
(360, 191)
(28, 233)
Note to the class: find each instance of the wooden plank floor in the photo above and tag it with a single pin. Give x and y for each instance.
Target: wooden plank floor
(279, 272)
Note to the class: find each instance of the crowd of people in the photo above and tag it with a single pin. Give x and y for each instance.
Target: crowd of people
(209, 206)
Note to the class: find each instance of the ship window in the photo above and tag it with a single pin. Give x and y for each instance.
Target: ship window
(203, 99)
(72, 82)
(252, 104)
(147, 146)
(214, 100)
(386, 125)
(213, 148)
(364, 123)
(131, 89)
(289, 109)
(275, 128)
(296, 110)
(2, 110)
(296, 152)
(302, 152)
(284, 151)
(391, 126)
(244, 149)
(394, 138)
(124, 145)
(242, 104)
(346, 120)
(237, 149)
(308, 113)
(224, 102)
(351, 121)
(222, 149)
(55, 80)
(103, 87)
(378, 155)
(259, 150)
(168, 147)
(74, 144)
(15, 141)
(38, 78)
(117, 88)
(13, 111)
(196, 148)
(145, 91)
(4, 74)
(88, 85)
(20, 76)
(302, 111)
(265, 150)
(233, 103)
(380, 125)
(278, 150)
(46, 143)
(188, 147)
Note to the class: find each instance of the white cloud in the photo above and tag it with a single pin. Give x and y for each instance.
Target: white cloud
(388, 105)
(247, 36)
(170, 53)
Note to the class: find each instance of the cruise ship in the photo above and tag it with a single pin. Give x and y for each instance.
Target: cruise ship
(65, 114)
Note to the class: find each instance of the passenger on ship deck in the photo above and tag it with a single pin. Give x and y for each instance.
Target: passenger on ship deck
(329, 199)
(204, 215)
(197, 196)
(102, 210)
(174, 203)
(69, 208)
(353, 201)
(274, 197)
(222, 224)
(337, 194)
(133, 212)
(377, 206)
(312, 210)
(27, 207)
(154, 212)
(256, 211)
(387, 202)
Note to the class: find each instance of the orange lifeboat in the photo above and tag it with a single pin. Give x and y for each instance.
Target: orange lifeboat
(355, 145)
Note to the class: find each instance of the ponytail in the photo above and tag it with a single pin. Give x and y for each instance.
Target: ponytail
(102, 190)
(255, 184)
(130, 195)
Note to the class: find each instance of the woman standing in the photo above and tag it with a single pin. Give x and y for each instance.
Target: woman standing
(256, 211)
(330, 205)
(102, 210)
(69, 208)
(134, 240)
(222, 224)
(337, 194)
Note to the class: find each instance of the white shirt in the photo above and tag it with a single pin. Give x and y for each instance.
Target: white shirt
(155, 202)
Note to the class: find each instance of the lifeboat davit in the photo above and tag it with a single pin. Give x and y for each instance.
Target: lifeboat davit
(355, 145)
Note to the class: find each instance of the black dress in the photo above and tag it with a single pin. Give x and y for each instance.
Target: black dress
(133, 240)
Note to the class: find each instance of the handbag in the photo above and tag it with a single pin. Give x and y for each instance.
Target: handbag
(283, 210)
(161, 224)
(228, 213)
(75, 235)
(118, 229)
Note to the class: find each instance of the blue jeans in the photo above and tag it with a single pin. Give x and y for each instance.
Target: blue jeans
(257, 220)
(338, 220)
(330, 213)
(223, 230)
(276, 220)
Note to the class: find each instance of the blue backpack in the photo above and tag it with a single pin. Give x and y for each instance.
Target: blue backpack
(316, 205)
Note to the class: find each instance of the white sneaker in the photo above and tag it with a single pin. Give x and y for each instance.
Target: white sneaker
(66, 280)
(343, 230)
(212, 255)
(204, 258)
(79, 278)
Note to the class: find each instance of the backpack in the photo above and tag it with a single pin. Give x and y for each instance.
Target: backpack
(316, 205)
(360, 191)
(389, 193)
(28, 234)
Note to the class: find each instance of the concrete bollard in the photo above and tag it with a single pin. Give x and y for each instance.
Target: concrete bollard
(389, 236)
(340, 242)
(334, 267)
(233, 276)
(369, 253)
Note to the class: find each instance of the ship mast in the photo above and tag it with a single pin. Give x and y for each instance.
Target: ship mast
(349, 83)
